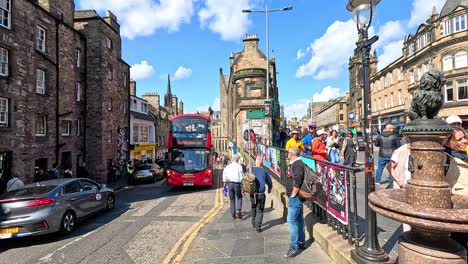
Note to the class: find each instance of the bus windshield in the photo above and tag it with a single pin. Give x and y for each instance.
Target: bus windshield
(189, 160)
(189, 124)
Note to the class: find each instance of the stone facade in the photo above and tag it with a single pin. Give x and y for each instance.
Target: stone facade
(333, 115)
(42, 89)
(108, 90)
(142, 131)
(440, 43)
(245, 89)
(161, 116)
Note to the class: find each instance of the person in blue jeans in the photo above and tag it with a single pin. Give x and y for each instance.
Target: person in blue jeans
(295, 216)
(387, 142)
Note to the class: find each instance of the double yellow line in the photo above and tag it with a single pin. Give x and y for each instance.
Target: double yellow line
(182, 246)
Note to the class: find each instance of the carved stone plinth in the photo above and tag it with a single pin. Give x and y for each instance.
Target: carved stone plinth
(426, 203)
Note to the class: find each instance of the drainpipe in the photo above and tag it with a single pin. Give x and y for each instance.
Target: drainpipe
(57, 86)
(85, 111)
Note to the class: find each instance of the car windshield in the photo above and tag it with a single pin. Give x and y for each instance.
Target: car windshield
(189, 160)
(28, 191)
(143, 167)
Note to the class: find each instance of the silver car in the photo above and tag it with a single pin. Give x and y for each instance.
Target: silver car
(51, 206)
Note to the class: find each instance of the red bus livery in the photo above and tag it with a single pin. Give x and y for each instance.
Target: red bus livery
(189, 147)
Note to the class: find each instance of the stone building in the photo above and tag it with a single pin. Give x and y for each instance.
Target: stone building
(440, 43)
(49, 85)
(244, 88)
(42, 88)
(333, 115)
(161, 114)
(142, 131)
(107, 86)
(356, 87)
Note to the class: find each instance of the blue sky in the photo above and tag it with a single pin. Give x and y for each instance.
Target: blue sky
(192, 39)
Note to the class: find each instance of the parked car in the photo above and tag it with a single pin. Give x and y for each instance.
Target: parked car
(51, 206)
(146, 172)
(360, 141)
(162, 163)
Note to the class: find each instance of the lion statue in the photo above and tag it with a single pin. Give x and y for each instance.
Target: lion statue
(428, 98)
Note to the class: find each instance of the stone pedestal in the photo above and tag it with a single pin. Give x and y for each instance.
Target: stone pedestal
(426, 203)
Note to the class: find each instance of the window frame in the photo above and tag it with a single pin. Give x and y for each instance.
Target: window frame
(78, 92)
(4, 62)
(462, 18)
(456, 66)
(458, 89)
(108, 43)
(445, 92)
(43, 119)
(5, 113)
(400, 97)
(41, 42)
(38, 88)
(447, 27)
(5, 10)
(78, 57)
(69, 128)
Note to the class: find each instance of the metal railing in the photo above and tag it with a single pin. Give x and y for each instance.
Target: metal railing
(276, 163)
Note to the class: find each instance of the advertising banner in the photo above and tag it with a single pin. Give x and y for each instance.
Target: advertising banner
(320, 170)
(337, 193)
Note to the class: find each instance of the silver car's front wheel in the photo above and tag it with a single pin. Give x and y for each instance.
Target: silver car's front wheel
(68, 222)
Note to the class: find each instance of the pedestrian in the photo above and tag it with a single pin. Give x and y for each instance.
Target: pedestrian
(455, 122)
(332, 147)
(67, 174)
(307, 139)
(319, 149)
(14, 184)
(277, 138)
(82, 171)
(232, 177)
(294, 141)
(295, 216)
(457, 172)
(349, 150)
(257, 199)
(387, 142)
(399, 169)
(56, 171)
(283, 137)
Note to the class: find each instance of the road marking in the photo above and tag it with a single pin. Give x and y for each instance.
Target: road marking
(47, 258)
(187, 238)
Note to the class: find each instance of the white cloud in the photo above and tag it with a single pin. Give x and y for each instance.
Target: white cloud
(326, 94)
(422, 10)
(182, 73)
(141, 70)
(300, 54)
(390, 53)
(330, 52)
(296, 109)
(145, 17)
(390, 31)
(225, 17)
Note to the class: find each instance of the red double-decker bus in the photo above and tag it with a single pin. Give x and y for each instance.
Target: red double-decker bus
(189, 148)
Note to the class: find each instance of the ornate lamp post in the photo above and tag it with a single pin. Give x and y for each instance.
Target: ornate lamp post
(268, 102)
(362, 11)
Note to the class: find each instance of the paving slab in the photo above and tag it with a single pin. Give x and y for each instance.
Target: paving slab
(235, 241)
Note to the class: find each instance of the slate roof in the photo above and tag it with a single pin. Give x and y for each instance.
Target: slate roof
(142, 116)
(451, 5)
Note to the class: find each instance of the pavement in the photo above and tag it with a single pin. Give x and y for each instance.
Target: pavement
(236, 241)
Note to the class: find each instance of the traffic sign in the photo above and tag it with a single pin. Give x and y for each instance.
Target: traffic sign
(255, 114)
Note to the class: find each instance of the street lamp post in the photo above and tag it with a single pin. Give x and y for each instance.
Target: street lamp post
(370, 251)
(267, 11)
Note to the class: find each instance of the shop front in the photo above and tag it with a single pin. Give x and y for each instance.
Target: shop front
(143, 152)
(396, 119)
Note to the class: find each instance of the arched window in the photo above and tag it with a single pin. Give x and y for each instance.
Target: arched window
(461, 59)
(447, 62)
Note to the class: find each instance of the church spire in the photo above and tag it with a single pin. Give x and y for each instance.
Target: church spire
(169, 86)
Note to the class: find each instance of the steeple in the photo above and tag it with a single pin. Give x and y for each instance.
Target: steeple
(168, 95)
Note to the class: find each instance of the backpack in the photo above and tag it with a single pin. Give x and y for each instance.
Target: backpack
(249, 184)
